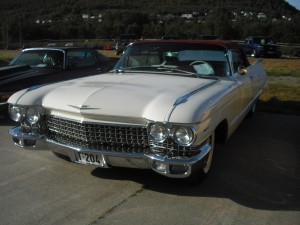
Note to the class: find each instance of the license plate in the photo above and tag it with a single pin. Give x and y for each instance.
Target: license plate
(89, 158)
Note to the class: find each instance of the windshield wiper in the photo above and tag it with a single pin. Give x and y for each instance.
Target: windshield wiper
(172, 69)
(159, 68)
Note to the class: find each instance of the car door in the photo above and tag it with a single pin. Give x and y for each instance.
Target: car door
(81, 63)
(245, 80)
(258, 78)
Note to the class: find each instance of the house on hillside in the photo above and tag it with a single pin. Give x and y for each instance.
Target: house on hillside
(187, 16)
(261, 16)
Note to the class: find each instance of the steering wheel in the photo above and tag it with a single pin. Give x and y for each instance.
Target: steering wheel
(206, 69)
(199, 62)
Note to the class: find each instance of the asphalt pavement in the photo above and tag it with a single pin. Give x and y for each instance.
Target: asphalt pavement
(255, 180)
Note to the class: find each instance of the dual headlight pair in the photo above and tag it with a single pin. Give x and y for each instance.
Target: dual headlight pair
(159, 132)
(20, 113)
(182, 135)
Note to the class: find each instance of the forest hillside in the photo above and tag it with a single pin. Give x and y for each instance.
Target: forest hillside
(77, 19)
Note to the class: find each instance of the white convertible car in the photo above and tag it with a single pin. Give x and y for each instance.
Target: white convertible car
(163, 107)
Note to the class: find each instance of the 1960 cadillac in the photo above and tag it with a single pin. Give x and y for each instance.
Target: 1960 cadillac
(163, 107)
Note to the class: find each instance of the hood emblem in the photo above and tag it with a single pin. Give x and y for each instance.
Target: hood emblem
(82, 107)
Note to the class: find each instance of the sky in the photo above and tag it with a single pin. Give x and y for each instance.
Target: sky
(295, 3)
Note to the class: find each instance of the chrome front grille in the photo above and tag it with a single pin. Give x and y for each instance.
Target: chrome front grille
(102, 137)
(112, 138)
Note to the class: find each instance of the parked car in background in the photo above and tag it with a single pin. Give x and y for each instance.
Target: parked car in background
(295, 52)
(123, 40)
(170, 38)
(207, 37)
(70, 44)
(38, 66)
(108, 47)
(163, 107)
(258, 46)
(52, 45)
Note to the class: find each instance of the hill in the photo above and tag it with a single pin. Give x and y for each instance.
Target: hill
(40, 7)
(229, 19)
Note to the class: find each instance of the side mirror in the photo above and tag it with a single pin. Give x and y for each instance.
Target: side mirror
(242, 70)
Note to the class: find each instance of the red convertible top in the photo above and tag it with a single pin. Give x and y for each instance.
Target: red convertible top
(224, 43)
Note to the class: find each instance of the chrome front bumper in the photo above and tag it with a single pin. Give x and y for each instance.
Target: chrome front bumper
(175, 168)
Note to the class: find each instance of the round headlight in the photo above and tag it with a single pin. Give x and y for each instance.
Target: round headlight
(183, 135)
(16, 113)
(32, 115)
(158, 132)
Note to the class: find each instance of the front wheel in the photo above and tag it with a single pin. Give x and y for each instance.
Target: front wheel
(199, 172)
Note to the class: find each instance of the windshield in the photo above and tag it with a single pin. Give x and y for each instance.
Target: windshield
(263, 41)
(193, 58)
(40, 58)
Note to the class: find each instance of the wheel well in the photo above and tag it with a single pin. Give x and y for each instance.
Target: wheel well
(221, 132)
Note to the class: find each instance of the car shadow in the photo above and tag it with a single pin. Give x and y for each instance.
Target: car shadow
(259, 167)
(5, 121)
(278, 106)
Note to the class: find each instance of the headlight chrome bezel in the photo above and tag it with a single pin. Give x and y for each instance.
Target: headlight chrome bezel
(16, 113)
(158, 132)
(182, 135)
(30, 114)
(33, 115)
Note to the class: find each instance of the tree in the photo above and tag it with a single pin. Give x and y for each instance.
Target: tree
(218, 23)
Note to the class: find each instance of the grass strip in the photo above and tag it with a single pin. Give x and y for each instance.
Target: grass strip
(280, 98)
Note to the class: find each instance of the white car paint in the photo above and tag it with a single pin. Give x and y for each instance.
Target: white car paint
(137, 98)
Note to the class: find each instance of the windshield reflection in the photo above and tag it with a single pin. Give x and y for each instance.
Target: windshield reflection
(38, 58)
(190, 58)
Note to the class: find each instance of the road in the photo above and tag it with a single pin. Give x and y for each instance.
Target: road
(255, 180)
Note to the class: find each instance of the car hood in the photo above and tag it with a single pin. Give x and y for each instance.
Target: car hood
(136, 96)
(9, 71)
(14, 73)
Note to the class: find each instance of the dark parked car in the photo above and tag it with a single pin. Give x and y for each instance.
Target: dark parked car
(257, 46)
(38, 66)
(295, 52)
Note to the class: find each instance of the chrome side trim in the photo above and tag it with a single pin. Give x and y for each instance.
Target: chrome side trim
(246, 109)
(183, 98)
